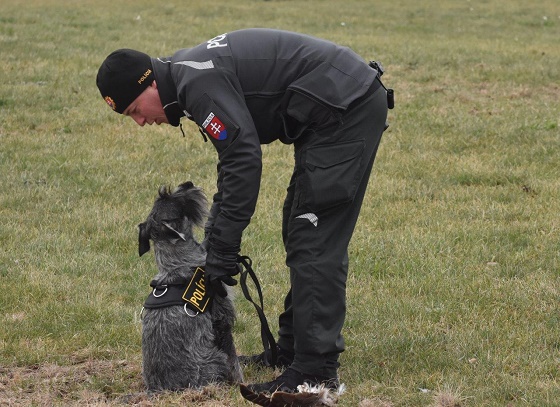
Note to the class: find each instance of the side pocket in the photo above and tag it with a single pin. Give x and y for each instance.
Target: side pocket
(332, 173)
(302, 112)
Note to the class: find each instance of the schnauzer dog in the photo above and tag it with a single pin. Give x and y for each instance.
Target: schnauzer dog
(185, 344)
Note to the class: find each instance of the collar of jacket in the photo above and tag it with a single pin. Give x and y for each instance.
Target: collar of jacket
(167, 90)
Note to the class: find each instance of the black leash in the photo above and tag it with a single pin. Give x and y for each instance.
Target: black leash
(269, 344)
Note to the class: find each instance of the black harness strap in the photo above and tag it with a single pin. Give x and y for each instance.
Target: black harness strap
(269, 344)
(189, 293)
(165, 295)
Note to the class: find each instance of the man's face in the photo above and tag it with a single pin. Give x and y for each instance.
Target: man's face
(147, 107)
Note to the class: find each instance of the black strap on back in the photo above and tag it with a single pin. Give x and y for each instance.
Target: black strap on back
(390, 92)
(269, 344)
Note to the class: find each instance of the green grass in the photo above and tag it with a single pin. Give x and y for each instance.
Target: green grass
(453, 293)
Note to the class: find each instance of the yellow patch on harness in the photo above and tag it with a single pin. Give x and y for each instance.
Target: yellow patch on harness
(196, 293)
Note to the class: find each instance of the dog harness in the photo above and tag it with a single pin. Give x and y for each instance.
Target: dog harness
(191, 294)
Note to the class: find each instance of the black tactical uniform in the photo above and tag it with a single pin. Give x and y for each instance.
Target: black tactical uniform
(255, 86)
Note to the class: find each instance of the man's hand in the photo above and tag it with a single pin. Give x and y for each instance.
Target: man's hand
(221, 266)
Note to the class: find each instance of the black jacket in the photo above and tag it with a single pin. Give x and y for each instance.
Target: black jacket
(251, 87)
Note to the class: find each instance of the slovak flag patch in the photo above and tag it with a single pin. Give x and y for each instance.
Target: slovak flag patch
(214, 127)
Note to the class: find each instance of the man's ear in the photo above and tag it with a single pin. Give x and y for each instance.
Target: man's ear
(154, 84)
(143, 239)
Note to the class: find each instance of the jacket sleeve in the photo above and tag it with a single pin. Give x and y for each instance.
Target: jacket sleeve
(217, 105)
(216, 204)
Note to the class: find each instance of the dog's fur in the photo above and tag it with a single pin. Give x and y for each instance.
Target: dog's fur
(180, 351)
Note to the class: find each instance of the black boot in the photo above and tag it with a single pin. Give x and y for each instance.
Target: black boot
(290, 380)
(284, 359)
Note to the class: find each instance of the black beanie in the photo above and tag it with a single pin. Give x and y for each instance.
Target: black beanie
(123, 76)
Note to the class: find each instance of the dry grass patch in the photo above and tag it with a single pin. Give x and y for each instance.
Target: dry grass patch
(94, 383)
(89, 382)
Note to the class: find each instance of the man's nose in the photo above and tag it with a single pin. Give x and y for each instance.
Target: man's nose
(141, 121)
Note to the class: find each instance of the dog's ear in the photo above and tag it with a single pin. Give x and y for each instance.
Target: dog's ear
(185, 186)
(143, 239)
(193, 202)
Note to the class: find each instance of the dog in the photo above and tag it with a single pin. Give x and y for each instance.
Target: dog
(182, 346)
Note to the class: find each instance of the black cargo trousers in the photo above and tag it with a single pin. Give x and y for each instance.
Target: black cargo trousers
(324, 197)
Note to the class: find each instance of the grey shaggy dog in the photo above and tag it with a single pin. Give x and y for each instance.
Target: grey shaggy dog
(181, 351)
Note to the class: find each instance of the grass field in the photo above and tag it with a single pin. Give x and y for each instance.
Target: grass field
(453, 292)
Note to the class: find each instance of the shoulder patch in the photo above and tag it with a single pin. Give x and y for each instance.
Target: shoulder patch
(214, 127)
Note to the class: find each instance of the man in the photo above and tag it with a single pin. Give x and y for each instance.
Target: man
(252, 87)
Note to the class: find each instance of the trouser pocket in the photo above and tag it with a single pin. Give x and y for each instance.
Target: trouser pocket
(331, 174)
